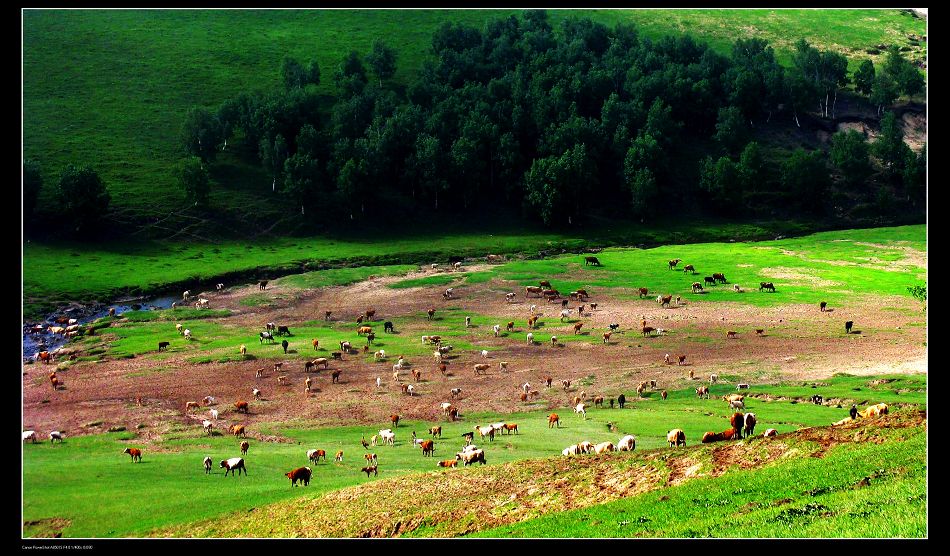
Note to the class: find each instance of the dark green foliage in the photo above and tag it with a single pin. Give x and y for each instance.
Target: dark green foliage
(732, 131)
(890, 148)
(83, 197)
(919, 292)
(293, 74)
(720, 179)
(805, 176)
(849, 153)
(350, 75)
(193, 177)
(752, 170)
(32, 183)
(915, 175)
(864, 77)
(382, 61)
(556, 186)
(201, 133)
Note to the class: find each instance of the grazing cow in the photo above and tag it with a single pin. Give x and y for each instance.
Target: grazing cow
(187, 334)
(598, 401)
(663, 394)
(648, 330)
(817, 399)
(737, 421)
(456, 392)
(207, 464)
(56, 435)
(266, 336)
(591, 261)
(689, 268)
(471, 456)
(388, 327)
(191, 405)
(162, 346)
(233, 465)
(29, 435)
(554, 420)
(326, 315)
(284, 344)
(241, 406)
(430, 313)
(335, 376)
(702, 392)
(719, 277)
(554, 341)
(533, 290)
(770, 432)
(737, 288)
(256, 393)
(766, 286)
(697, 287)
(665, 300)
(749, 424)
(244, 447)
(135, 453)
(822, 306)
(742, 386)
(372, 468)
(731, 334)
(847, 326)
(301, 474)
(532, 321)
(713, 378)
(364, 330)
(509, 297)
(709, 280)
(488, 431)
(676, 437)
(737, 404)
(270, 326)
(262, 284)
(315, 455)
(530, 338)
(606, 337)
(481, 368)
(580, 408)
(209, 426)
(673, 263)
(428, 447)
(545, 284)
(345, 347)
(621, 400)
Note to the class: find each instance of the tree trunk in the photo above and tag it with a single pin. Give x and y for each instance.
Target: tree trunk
(826, 104)
(834, 105)
(796, 119)
(273, 186)
(301, 210)
(769, 119)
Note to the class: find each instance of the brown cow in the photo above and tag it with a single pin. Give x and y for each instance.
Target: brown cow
(510, 327)
(135, 453)
(301, 474)
(577, 327)
(370, 469)
(241, 406)
(532, 290)
(431, 313)
(395, 420)
(336, 375)
(553, 420)
(428, 447)
(436, 431)
(244, 447)
(238, 430)
(448, 463)
(644, 292)
(738, 422)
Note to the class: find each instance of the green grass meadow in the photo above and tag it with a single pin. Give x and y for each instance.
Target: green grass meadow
(86, 480)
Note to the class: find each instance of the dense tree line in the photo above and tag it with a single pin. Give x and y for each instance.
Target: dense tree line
(555, 122)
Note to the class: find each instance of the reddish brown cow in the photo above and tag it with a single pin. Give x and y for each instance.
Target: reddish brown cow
(135, 453)
(301, 474)
(644, 292)
(553, 420)
(428, 447)
(577, 327)
(241, 406)
(737, 421)
(395, 420)
(448, 463)
(244, 447)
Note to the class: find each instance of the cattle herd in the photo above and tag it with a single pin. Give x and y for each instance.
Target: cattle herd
(740, 424)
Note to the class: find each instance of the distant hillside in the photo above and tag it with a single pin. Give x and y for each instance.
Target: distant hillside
(111, 88)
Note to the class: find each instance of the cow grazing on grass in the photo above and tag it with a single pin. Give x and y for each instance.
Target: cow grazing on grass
(135, 453)
(697, 287)
(719, 277)
(847, 326)
(702, 392)
(162, 346)
(673, 263)
(233, 465)
(766, 286)
(207, 463)
(689, 268)
(750, 422)
(301, 474)
(241, 406)
(244, 447)
(709, 280)
(266, 336)
(315, 455)
(676, 437)
(554, 420)
(591, 261)
(822, 306)
(737, 421)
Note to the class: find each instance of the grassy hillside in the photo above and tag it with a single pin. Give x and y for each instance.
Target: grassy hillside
(80, 486)
(111, 88)
(794, 265)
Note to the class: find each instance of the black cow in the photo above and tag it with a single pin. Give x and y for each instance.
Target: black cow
(591, 260)
(847, 326)
(621, 399)
(262, 284)
(709, 280)
(284, 344)
(281, 330)
(162, 346)
(766, 286)
(388, 327)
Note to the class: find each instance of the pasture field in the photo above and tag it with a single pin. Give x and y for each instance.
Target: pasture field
(109, 270)
(110, 88)
(116, 379)
(89, 474)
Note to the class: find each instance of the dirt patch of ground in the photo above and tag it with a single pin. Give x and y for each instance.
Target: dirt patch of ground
(799, 343)
(51, 527)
